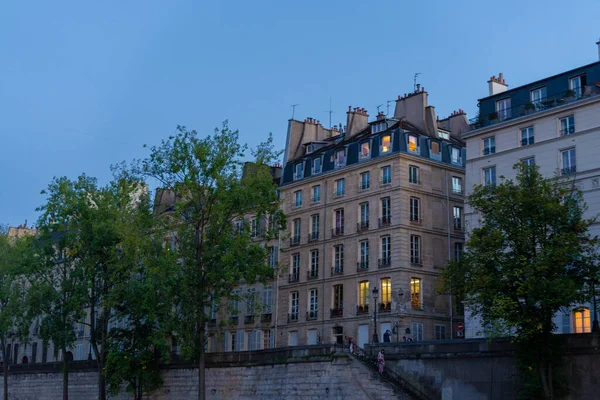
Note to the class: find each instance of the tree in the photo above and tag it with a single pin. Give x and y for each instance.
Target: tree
(528, 258)
(58, 291)
(206, 177)
(14, 318)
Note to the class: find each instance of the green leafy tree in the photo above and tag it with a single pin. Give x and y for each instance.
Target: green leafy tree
(211, 193)
(528, 257)
(14, 317)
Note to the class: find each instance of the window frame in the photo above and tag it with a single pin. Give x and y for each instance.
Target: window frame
(489, 145)
(361, 156)
(316, 190)
(416, 292)
(568, 128)
(298, 198)
(527, 136)
(414, 209)
(572, 167)
(299, 176)
(416, 142)
(337, 162)
(492, 182)
(415, 250)
(340, 183)
(314, 170)
(459, 180)
(381, 145)
(386, 179)
(414, 175)
(365, 184)
(503, 113)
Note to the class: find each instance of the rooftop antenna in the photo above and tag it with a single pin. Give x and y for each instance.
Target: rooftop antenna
(378, 107)
(415, 80)
(294, 109)
(388, 107)
(330, 111)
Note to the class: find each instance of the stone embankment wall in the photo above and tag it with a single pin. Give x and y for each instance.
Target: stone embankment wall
(311, 372)
(480, 369)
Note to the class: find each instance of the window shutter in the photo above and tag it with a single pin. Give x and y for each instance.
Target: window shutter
(257, 340)
(240, 336)
(227, 341)
(272, 336)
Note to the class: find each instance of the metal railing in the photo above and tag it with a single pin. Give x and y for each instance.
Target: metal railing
(362, 226)
(336, 312)
(292, 317)
(313, 236)
(312, 315)
(385, 307)
(384, 262)
(362, 309)
(338, 231)
(337, 270)
(295, 277)
(312, 274)
(385, 221)
(295, 240)
(568, 170)
(362, 266)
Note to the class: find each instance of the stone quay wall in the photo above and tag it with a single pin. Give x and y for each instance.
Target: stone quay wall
(307, 372)
(482, 369)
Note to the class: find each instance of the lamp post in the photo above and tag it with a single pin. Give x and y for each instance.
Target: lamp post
(400, 294)
(375, 293)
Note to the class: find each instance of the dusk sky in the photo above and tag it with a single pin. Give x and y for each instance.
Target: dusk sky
(84, 85)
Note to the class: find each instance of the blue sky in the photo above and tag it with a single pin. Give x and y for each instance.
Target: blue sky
(84, 85)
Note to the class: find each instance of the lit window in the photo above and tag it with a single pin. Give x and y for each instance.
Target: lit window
(386, 290)
(338, 297)
(340, 158)
(365, 148)
(386, 143)
(363, 293)
(412, 143)
(415, 292)
(581, 319)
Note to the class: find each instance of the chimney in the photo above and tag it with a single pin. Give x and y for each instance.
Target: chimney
(357, 120)
(598, 44)
(412, 107)
(497, 85)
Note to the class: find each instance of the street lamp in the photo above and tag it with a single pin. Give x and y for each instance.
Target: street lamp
(400, 294)
(375, 293)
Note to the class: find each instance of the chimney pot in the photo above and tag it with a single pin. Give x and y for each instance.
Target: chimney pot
(349, 108)
(422, 88)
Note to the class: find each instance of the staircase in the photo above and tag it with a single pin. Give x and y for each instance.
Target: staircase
(400, 388)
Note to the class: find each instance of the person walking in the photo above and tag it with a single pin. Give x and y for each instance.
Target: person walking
(381, 361)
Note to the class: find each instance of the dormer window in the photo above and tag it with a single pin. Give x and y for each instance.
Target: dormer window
(317, 165)
(340, 158)
(310, 148)
(443, 135)
(455, 155)
(379, 127)
(386, 143)
(299, 171)
(435, 147)
(365, 150)
(413, 143)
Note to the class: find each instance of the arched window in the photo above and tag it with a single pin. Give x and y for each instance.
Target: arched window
(581, 320)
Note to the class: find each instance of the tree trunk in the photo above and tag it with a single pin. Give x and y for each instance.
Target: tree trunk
(201, 375)
(65, 375)
(5, 369)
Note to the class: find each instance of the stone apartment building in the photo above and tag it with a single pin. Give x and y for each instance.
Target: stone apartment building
(378, 205)
(554, 123)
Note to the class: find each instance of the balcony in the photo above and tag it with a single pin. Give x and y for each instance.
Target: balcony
(362, 266)
(385, 307)
(266, 317)
(312, 274)
(415, 260)
(338, 231)
(295, 277)
(384, 262)
(458, 226)
(385, 221)
(313, 236)
(528, 108)
(312, 315)
(415, 221)
(362, 226)
(336, 312)
(362, 309)
(293, 317)
(337, 270)
(249, 319)
(568, 170)
(294, 240)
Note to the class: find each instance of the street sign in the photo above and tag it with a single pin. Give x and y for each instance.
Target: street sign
(460, 327)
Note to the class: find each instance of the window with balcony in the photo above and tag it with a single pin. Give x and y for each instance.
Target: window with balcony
(314, 264)
(313, 304)
(340, 187)
(567, 125)
(364, 216)
(415, 215)
(294, 306)
(386, 292)
(489, 176)
(386, 212)
(298, 198)
(338, 298)
(386, 175)
(538, 97)
(267, 300)
(314, 227)
(295, 271)
(340, 158)
(503, 109)
(338, 222)
(413, 143)
(299, 171)
(386, 143)
(363, 262)
(458, 250)
(415, 249)
(415, 292)
(386, 251)
(577, 84)
(457, 185)
(365, 180)
(316, 193)
(363, 296)
(457, 212)
(317, 165)
(489, 145)
(295, 240)
(568, 162)
(365, 150)
(338, 258)
(527, 136)
(413, 174)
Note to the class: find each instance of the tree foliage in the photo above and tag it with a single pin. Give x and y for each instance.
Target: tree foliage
(206, 177)
(529, 256)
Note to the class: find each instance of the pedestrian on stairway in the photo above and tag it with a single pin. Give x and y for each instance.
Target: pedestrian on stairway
(381, 361)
